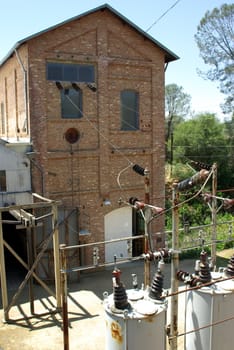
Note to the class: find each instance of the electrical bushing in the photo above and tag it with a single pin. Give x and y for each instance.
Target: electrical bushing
(119, 292)
(230, 267)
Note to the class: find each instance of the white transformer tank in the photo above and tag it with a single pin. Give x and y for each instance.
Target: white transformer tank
(212, 310)
(141, 326)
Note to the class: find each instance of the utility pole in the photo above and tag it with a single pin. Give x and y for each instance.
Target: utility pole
(214, 215)
(174, 270)
(147, 215)
(64, 297)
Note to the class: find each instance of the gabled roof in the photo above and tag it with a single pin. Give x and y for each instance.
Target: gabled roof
(169, 55)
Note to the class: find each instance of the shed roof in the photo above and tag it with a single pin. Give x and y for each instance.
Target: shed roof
(169, 55)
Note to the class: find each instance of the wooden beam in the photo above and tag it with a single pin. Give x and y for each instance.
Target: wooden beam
(3, 272)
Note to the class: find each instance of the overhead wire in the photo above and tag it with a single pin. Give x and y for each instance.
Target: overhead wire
(163, 15)
(130, 163)
(99, 132)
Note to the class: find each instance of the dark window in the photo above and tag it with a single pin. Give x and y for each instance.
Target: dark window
(86, 74)
(138, 228)
(54, 71)
(70, 72)
(2, 180)
(129, 110)
(71, 103)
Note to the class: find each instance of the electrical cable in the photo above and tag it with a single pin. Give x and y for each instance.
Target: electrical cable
(107, 140)
(203, 327)
(131, 164)
(186, 200)
(163, 15)
(99, 132)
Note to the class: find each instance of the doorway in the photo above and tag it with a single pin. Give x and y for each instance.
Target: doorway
(15, 237)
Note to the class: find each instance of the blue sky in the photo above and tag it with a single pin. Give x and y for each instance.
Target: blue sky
(175, 30)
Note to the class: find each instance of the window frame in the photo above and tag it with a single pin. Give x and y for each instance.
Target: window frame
(70, 72)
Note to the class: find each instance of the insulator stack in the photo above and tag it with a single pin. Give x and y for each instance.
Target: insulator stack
(228, 203)
(139, 170)
(119, 292)
(199, 165)
(157, 286)
(192, 181)
(133, 200)
(230, 267)
(204, 273)
(187, 278)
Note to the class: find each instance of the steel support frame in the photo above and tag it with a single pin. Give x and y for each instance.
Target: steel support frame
(29, 221)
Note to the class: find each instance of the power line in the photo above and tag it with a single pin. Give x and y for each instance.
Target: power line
(163, 15)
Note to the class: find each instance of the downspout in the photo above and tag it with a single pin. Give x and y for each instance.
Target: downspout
(25, 126)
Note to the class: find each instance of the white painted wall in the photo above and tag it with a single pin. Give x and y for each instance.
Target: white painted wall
(118, 224)
(18, 177)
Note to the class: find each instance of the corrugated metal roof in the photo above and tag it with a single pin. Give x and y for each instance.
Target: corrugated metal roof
(170, 56)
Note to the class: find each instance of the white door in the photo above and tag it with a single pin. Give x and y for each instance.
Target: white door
(118, 224)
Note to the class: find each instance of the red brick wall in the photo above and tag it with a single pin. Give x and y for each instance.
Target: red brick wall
(86, 173)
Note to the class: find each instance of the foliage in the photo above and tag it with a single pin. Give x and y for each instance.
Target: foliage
(215, 39)
(177, 105)
(203, 139)
(229, 132)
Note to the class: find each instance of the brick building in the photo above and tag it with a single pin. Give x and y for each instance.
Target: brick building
(88, 94)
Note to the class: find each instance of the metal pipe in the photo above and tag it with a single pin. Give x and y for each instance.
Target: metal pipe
(102, 242)
(90, 267)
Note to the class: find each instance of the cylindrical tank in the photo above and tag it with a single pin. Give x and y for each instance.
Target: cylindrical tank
(206, 308)
(140, 326)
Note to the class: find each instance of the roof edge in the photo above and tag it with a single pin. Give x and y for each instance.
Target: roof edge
(171, 56)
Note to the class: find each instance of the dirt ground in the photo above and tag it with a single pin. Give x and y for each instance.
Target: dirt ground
(86, 314)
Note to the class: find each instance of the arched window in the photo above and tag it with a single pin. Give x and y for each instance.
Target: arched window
(129, 100)
(71, 103)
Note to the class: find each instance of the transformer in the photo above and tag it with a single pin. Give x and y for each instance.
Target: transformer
(134, 320)
(209, 320)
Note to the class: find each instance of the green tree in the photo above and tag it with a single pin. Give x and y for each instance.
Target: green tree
(177, 106)
(203, 139)
(215, 39)
(229, 131)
